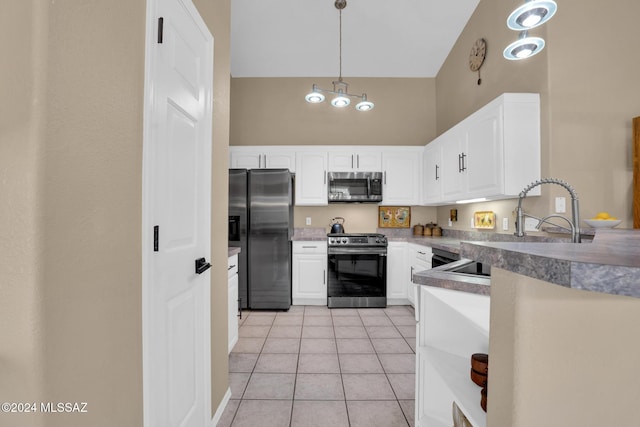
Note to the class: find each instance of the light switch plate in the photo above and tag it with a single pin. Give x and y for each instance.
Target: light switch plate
(561, 205)
(308, 222)
(472, 224)
(505, 224)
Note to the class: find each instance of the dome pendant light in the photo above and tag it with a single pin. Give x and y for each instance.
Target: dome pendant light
(340, 87)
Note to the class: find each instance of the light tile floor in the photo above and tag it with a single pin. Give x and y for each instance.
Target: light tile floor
(315, 366)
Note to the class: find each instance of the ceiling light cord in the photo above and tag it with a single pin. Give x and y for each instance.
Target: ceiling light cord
(340, 49)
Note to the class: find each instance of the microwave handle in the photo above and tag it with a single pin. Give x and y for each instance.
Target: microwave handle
(368, 187)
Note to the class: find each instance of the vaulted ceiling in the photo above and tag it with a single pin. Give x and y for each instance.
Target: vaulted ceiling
(380, 38)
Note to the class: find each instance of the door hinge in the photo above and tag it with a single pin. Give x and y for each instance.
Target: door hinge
(160, 29)
(156, 237)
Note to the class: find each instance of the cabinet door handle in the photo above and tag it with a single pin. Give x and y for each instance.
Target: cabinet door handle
(358, 159)
(324, 277)
(265, 160)
(325, 176)
(309, 247)
(352, 161)
(437, 177)
(459, 163)
(464, 167)
(230, 267)
(411, 275)
(385, 177)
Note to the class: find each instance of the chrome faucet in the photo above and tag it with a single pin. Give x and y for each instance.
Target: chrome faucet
(574, 223)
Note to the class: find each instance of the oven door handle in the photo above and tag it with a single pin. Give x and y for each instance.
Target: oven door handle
(356, 251)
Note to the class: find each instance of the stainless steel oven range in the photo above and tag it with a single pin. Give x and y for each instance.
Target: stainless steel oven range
(357, 270)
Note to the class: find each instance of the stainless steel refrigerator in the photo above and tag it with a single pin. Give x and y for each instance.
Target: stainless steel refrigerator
(261, 224)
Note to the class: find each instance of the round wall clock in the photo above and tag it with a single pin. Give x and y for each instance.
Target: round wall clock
(477, 55)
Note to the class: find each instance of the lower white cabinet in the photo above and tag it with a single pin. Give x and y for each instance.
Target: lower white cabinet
(419, 260)
(397, 273)
(309, 273)
(232, 313)
(451, 326)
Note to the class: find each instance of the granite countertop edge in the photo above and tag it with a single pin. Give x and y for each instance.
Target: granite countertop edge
(440, 278)
(610, 264)
(233, 250)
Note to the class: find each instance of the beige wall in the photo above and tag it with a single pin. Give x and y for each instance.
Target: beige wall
(217, 16)
(71, 168)
(92, 195)
(587, 99)
(563, 357)
(273, 111)
(587, 103)
(22, 112)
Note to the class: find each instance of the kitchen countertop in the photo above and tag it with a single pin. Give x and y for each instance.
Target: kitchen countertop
(610, 264)
(233, 250)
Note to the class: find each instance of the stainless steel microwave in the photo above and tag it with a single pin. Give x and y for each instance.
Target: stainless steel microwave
(363, 187)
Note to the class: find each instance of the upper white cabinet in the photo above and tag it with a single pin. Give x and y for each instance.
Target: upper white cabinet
(311, 178)
(352, 160)
(402, 175)
(432, 173)
(262, 157)
(494, 153)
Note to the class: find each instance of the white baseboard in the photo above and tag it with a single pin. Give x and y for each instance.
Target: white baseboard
(221, 408)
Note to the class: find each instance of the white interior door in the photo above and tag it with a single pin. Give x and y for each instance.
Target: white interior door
(177, 203)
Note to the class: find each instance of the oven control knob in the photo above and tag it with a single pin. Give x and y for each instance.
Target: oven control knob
(344, 240)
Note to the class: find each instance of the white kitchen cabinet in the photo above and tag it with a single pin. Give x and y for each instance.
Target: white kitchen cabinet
(311, 178)
(432, 173)
(232, 307)
(397, 273)
(402, 176)
(309, 273)
(262, 157)
(494, 153)
(354, 160)
(451, 326)
(419, 257)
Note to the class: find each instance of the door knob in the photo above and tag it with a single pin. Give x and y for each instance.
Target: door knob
(202, 265)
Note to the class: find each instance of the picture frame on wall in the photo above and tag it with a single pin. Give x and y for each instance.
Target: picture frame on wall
(394, 216)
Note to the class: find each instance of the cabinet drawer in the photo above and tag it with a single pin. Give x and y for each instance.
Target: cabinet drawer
(232, 265)
(421, 253)
(310, 247)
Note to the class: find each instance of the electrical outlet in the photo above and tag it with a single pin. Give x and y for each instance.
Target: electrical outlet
(530, 224)
(450, 223)
(308, 220)
(505, 224)
(561, 205)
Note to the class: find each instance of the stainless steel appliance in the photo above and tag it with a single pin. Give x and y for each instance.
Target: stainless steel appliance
(261, 224)
(363, 187)
(357, 270)
(457, 265)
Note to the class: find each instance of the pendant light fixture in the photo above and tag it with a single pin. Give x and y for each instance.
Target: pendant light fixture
(530, 15)
(340, 87)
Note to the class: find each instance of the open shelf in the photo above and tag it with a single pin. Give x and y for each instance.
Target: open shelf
(454, 371)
